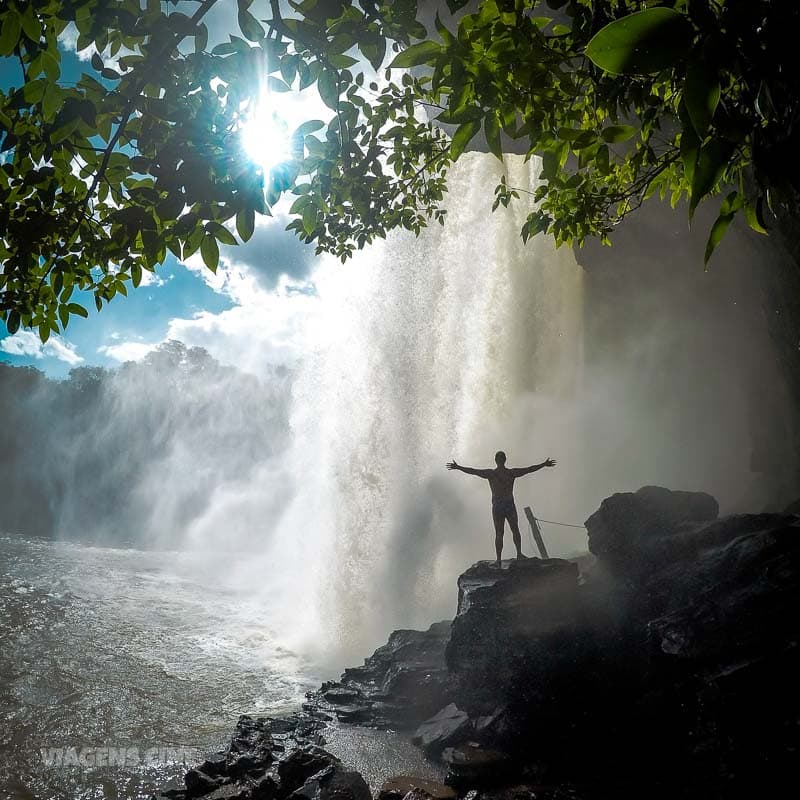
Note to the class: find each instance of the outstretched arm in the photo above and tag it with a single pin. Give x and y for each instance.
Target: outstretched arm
(519, 471)
(481, 473)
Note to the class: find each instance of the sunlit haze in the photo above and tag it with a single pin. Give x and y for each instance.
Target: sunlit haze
(265, 136)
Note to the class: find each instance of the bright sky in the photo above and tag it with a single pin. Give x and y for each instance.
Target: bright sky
(250, 314)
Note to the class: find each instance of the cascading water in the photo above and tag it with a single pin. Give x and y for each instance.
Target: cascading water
(452, 345)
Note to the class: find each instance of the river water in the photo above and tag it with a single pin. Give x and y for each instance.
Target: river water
(122, 655)
(123, 648)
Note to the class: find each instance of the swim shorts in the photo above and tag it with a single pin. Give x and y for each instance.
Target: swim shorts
(504, 506)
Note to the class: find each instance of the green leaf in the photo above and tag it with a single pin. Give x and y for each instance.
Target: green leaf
(328, 88)
(711, 164)
(12, 323)
(462, 137)
(727, 211)
(701, 94)
(221, 233)
(491, 127)
(690, 150)
(74, 308)
(614, 134)
(754, 214)
(308, 127)
(249, 26)
(641, 43)
(9, 34)
(51, 102)
(201, 38)
(467, 114)
(417, 54)
(209, 250)
(64, 131)
(277, 85)
(44, 331)
(245, 223)
(33, 30)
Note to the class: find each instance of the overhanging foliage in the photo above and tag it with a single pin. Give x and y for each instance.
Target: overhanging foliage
(143, 155)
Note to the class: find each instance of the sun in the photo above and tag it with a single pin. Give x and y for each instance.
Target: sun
(265, 136)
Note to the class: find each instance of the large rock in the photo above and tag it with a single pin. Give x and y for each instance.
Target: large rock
(505, 624)
(300, 764)
(626, 525)
(334, 783)
(449, 726)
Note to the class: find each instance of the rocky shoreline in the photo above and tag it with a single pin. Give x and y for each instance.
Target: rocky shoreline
(666, 666)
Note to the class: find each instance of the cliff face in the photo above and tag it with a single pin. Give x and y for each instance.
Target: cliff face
(672, 660)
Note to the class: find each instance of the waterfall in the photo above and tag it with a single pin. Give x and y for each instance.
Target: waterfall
(451, 345)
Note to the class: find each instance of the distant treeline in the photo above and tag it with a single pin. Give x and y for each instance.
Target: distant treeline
(133, 453)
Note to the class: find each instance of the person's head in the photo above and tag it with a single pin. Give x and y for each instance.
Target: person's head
(500, 458)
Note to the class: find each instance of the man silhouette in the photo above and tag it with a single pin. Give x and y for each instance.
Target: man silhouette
(501, 480)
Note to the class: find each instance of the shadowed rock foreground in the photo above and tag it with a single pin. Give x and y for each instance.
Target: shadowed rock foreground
(667, 668)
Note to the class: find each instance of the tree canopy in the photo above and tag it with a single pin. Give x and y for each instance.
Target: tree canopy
(143, 155)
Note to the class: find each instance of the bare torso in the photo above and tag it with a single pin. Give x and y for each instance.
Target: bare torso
(502, 482)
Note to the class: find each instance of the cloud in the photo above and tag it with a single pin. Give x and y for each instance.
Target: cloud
(273, 252)
(272, 256)
(27, 343)
(126, 351)
(270, 328)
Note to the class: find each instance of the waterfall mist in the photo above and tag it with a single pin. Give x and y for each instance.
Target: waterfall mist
(447, 346)
(321, 493)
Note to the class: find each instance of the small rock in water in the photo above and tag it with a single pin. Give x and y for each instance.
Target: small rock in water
(399, 786)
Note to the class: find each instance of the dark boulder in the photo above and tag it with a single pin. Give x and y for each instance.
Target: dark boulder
(198, 783)
(449, 726)
(334, 783)
(472, 766)
(214, 764)
(265, 788)
(516, 619)
(341, 695)
(230, 791)
(399, 786)
(496, 728)
(626, 524)
(300, 764)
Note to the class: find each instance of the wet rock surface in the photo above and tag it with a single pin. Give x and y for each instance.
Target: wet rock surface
(667, 669)
(398, 686)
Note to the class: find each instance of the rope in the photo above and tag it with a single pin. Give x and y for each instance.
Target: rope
(564, 524)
